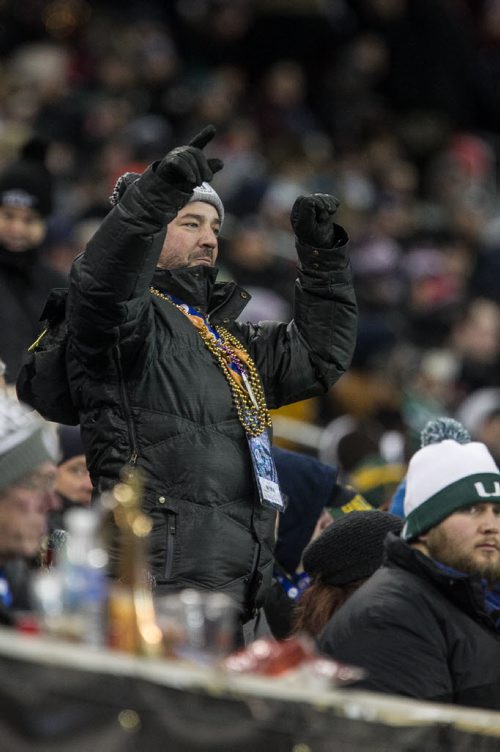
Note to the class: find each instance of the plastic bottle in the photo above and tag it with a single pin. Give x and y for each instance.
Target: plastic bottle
(83, 569)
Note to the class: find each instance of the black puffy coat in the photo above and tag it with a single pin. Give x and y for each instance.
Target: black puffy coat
(419, 632)
(151, 394)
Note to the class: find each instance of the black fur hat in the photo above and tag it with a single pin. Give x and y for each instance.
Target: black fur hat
(27, 182)
(351, 548)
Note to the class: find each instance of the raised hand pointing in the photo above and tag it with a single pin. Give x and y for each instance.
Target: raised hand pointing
(186, 167)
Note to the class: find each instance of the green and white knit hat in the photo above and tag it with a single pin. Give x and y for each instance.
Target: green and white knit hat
(448, 473)
(26, 440)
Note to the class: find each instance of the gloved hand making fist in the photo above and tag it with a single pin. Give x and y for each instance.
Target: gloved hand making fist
(312, 219)
(186, 167)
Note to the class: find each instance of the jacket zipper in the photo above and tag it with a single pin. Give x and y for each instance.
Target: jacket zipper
(169, 557)
(126, 408)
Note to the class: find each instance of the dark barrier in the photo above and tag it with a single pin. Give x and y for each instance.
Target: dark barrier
(60, 698)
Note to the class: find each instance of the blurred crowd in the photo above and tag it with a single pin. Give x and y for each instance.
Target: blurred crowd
(392, 105)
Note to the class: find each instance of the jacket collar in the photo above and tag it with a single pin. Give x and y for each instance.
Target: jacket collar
(466, 591)
(197, 286)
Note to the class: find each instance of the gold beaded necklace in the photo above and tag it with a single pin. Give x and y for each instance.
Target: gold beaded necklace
(245, 384)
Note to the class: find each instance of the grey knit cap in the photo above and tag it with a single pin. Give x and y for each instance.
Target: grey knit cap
(206, 193)
(26, 440)
(203, 192)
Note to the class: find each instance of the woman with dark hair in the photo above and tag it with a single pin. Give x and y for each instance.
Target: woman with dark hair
(344, 556)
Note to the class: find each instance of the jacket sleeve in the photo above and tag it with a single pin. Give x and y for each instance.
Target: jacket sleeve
(307, 356)
(402, 649)
(108, 288)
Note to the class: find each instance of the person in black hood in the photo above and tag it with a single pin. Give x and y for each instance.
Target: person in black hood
(25, 281)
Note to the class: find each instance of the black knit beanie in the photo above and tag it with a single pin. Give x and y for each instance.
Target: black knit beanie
(26, 182)
(351, 548)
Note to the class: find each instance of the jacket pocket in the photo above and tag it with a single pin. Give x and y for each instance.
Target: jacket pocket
(162, 542)
(170, 533)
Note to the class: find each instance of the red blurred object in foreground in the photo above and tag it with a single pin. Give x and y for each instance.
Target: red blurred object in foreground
(294, 658)
(268, 657)
(27, 623)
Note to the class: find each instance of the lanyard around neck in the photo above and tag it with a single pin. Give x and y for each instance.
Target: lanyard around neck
(236, 365)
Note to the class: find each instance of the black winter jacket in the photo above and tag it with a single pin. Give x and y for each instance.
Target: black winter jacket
(151, 394)
(25, 283)
(419, 632)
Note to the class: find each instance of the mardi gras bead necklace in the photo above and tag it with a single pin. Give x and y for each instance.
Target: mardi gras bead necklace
(238, 368)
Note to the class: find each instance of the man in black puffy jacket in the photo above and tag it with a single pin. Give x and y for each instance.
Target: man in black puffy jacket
(167, 381)
(427, 623)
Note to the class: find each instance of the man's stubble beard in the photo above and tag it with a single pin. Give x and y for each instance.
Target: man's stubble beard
(444, 550)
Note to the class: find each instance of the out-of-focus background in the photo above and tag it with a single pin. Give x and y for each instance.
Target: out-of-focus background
(392, 105)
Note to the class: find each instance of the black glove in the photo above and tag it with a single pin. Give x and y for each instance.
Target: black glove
(312, 219)
(186, 167)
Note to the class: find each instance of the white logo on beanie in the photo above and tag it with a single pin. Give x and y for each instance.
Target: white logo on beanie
(481, 491)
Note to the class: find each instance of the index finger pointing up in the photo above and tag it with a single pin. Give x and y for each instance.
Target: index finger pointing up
(203, 137)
